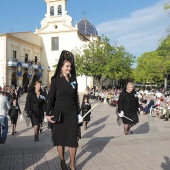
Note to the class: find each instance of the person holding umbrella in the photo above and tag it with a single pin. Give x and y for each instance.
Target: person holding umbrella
(128, 107)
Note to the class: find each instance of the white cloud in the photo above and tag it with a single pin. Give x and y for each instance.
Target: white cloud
(141, 31)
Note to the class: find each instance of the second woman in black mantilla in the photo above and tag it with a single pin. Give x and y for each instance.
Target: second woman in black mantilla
(35, 107)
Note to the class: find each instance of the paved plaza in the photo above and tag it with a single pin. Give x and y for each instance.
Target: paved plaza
(103, 145)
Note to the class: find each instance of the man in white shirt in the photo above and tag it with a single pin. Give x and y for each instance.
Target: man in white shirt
(4, 108)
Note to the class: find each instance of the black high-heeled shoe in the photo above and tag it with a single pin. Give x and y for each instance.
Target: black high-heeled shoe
(63, 165)
(130, 132)
(41, 130)
(36, 139)
(166, 119)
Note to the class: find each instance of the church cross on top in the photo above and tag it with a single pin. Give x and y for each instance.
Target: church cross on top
(84, 14)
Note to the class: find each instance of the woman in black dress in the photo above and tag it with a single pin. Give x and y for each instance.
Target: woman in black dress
(85, 107)
(63, 98)
(13, 113)
(128, 105)
(35, 107)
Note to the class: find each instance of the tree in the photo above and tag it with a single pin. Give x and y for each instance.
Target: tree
(94, 59)
(148, 68)
(121, 63)
(100, 59)
(164, 52)
(154, 66)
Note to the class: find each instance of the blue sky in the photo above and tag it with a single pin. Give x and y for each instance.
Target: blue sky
(137, 25)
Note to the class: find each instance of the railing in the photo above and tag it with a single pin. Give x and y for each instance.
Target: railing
(12, 63)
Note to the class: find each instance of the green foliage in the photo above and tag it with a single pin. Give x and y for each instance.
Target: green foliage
(164, 52)
(148, 68)
(154, 66)
(100, 59)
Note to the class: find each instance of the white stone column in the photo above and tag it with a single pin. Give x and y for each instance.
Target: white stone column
(48, 10)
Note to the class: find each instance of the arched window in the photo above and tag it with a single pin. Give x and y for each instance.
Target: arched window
(52, 11)
(59, 10)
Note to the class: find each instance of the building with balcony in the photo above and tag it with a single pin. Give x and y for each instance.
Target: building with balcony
(19, 51)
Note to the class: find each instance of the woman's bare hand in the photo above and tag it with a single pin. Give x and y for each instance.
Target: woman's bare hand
(49, 119)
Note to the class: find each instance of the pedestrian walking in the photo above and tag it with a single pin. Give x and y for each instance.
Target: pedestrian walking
(18, 91)
(35, 107)
(4, 108)
(128, 106)
(63, 95)
(85, 107)
(13, 113)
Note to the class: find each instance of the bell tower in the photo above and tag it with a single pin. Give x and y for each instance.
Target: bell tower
(55, 17)
(56, 8)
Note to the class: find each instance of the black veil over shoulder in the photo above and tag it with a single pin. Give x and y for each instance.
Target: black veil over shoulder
(68, 56)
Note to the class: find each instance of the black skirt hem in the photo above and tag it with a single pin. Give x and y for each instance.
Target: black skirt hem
(66, 145)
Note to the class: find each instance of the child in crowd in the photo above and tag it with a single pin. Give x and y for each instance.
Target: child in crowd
(13, 112)
(85, 107)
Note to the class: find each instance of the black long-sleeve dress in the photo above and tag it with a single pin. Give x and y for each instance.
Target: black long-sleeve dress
(85, 107)
(128, 102)
(35, 107)
(13, 113)
(63, 95)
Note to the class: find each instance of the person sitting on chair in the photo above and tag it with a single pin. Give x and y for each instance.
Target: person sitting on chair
(148, 106)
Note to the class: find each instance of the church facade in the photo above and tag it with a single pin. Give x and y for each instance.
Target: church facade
(26, 54)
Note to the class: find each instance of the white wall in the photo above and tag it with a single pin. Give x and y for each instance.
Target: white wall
(28, 36)
(83, 82)
(67, 41)
(2, 60)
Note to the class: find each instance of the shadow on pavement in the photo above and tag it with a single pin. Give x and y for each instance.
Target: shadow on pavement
(50, 160)
(94, 145)
(91, 149)
(144, 128)
(91, 133)
(166, 165)
(99, 121)
(22, 131)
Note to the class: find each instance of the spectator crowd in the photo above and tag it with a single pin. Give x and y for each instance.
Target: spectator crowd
(153, 102)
